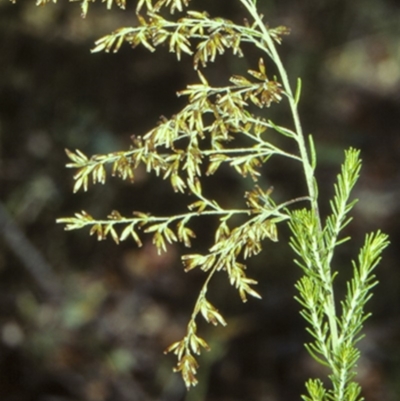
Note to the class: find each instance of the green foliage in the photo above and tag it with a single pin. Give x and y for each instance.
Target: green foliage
(200, 138)
(335, 335)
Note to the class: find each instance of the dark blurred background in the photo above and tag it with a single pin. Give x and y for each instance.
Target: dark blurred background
(87, 321)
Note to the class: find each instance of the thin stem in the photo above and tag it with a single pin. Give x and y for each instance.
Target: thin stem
(307, 167)
(308, 170)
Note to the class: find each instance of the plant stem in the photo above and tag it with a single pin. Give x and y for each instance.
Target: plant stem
(308, 170)
(307, 167)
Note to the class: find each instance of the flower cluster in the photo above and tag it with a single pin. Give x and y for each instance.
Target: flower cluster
(201, 137)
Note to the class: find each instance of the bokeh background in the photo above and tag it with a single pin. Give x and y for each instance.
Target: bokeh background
(87, 321)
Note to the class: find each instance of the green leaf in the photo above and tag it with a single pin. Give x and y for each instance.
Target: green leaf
(298, 91)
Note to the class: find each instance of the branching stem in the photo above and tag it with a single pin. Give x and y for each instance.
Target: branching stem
(307, 167)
